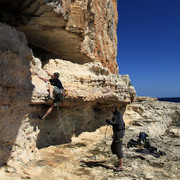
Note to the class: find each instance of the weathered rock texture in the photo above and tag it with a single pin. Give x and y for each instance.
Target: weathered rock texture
(89, 155)
(83, 33)
(153, 117)
(18, 138)
(92, 90)
(80, 31)
(89, 82)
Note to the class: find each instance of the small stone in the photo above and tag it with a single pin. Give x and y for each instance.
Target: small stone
(148, 176)
(9, 169)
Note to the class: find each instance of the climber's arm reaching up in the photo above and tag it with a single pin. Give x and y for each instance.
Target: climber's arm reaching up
(43, 78)
(49, 74)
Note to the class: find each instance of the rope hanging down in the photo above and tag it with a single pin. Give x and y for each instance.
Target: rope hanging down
(65, 133)
(106, 132)
(105, 135)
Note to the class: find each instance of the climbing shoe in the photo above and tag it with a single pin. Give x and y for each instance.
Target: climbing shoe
(118, 169)
(48, 97)
(41, 117)
(116, 165)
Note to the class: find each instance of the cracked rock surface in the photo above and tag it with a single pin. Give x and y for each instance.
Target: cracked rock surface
(89, 157)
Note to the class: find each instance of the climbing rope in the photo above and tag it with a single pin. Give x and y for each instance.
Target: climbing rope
(105, 135)
(106, 132)
(64, 132)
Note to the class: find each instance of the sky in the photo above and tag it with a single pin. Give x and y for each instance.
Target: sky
(149, 46)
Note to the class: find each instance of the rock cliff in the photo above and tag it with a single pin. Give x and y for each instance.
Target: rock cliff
(83, 33)
(15, 94)
(153, 117)
(92, 90)
(77, 39)
(79, 31)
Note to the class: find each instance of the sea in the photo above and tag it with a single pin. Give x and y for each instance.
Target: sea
(170, 99)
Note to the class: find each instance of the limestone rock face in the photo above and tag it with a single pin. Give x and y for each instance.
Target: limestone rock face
(153, 117)
(78, 40)
(143, 98)
(17, 137)
(89, 156)
(83, 32)
(80, 31)
(88, 82)
(92, 90)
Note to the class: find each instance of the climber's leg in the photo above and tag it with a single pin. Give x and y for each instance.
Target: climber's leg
(48, 112)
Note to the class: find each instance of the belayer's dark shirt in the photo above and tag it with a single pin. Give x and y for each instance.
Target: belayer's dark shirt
(117, 122)
(56, 82)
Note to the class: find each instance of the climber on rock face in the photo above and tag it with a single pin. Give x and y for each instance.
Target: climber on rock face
(55, 88)
(54, 85)
(118, 134)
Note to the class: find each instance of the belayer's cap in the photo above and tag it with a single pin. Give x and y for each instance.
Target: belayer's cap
(114, 107)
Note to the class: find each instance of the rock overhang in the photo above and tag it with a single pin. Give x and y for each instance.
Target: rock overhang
(75, 31)
(92, 87)
(44, 29)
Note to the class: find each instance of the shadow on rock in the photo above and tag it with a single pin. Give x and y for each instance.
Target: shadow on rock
(92, 164)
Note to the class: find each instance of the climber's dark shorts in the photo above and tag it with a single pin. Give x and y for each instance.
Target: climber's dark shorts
(56, 90)
(116, 148)
(58, 95)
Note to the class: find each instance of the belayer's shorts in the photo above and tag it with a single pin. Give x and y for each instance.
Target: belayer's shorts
(116, 148)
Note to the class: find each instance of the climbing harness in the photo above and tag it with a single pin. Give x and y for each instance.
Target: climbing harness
(60, 95)
(64, 132)
(118, 136)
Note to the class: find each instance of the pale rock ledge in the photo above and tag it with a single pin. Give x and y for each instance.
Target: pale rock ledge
(88, 82)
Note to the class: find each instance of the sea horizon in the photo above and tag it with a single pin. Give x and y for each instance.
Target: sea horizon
(170, 99)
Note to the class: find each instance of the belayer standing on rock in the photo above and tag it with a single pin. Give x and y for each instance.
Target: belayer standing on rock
(118, 134)
(55, 88)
